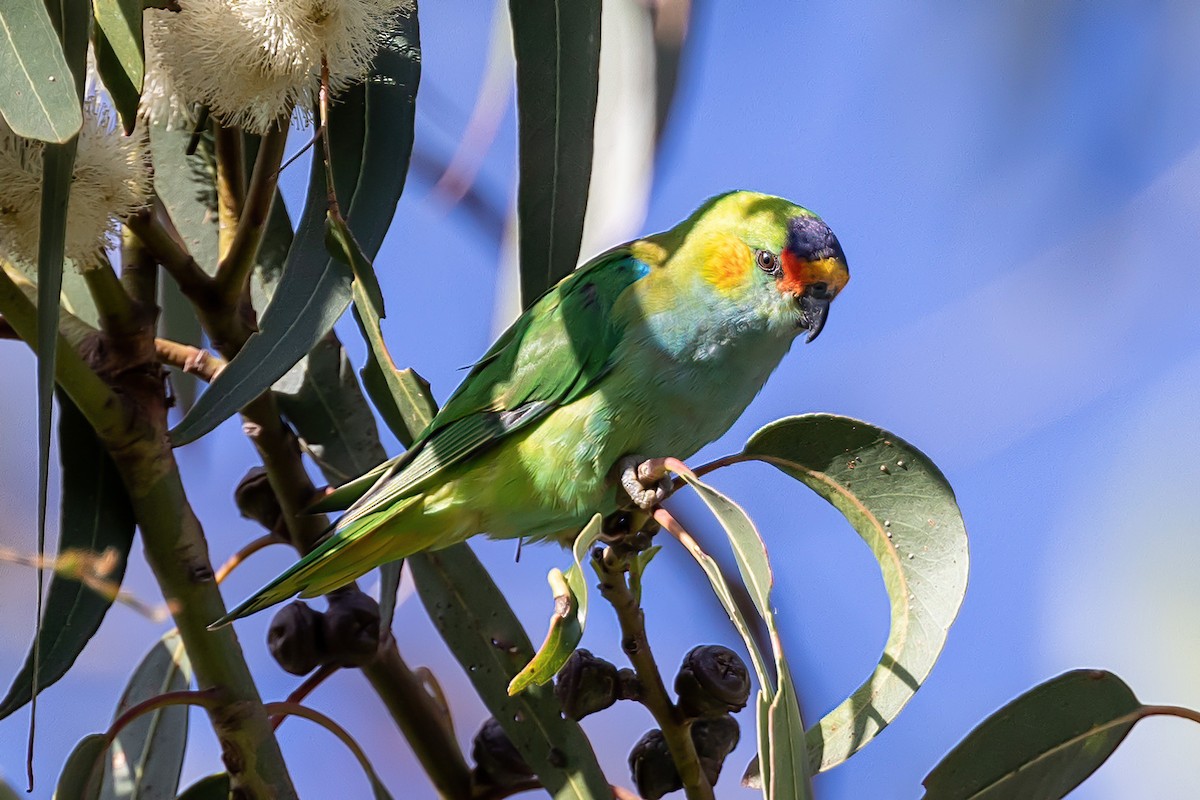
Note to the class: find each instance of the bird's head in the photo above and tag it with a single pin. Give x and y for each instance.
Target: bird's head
(771, 255)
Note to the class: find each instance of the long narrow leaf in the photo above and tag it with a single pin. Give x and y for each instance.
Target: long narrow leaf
(120, 55)
(40, 101)
(97, 528)
(557, 46)
(146, 757)
(901, 505)
(370, 140)
(486, 638)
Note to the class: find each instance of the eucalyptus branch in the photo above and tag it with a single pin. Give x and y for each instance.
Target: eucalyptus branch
(420, 719)
(231, 184)
(614, 587)
(238, 261)
(192, 360)
(235, 560)
(157, 231)
(295, 709)
(139, 271)
(120, 316)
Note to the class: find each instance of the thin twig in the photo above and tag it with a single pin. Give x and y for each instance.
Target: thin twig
(207, 698)
(262, 542)
(237, 262)
(231, 184)
(120, 317)
(331, 194)
(614, 587)
(192, 360)
(156, 229)
(304, 690)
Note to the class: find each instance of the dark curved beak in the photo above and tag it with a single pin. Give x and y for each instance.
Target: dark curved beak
(814, 310)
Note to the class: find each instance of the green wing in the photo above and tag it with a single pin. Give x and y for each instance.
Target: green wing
(552, 355)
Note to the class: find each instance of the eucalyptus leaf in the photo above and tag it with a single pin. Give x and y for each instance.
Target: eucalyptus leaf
(569, 618)
(214, 787)
(783, 749)
(120, 55)
(1041, 745)
(370, 135)
(486, 638)
(557, 47)
(40, 101)
(82, 774)
(146, 757)
(95, 535)
(902, 506)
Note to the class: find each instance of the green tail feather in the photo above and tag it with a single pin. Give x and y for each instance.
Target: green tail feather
(294, 580)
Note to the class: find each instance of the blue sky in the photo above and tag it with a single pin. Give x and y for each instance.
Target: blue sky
(1016, 186)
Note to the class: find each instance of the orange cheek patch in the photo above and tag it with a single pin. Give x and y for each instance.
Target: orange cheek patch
(726, 262)
(798, 274)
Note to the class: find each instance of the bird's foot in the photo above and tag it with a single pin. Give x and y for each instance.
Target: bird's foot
(646, 481)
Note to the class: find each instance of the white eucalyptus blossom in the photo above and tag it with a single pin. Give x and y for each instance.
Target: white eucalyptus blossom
(252, 61)
(110, 180)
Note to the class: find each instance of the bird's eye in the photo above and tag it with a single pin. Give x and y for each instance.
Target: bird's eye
(767, 261)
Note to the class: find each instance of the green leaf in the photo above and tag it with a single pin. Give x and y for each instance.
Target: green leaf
(569, 617)
(120, 56)
(214, 787)
(1041, 745)
(486, 638)
(901, 505)
(7, 792)
(321, 397)
(39, 101)
(370, 134)
(96, 519)
(402, 396)
(71, 18)
(557, 46)
(82, 775)
(187, 186)
(147, 755)
(783, 748)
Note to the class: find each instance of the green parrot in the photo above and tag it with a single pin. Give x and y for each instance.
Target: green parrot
(653, 348)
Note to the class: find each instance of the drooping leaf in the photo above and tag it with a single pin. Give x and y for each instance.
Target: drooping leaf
(557, 46)
(781, 744)
(120, 56)
(82, 775)
(40, 101)
(71, 19)
(187, 186)
(569, 617)
(214, 787)
(321, 397)
(96, 532)
(146, 757)
(402, 396)
(486, 638)
(901, 505)
(1041, 745)
(370, 134)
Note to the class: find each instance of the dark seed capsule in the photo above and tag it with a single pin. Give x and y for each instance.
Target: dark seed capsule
(650, 765)
(256, 499)
(714, 738)
(295, 638)
(586, 684)
(713, 680)
(496, 759)
(351, 628)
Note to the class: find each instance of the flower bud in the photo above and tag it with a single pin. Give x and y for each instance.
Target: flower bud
(652, 768)
(586, 684)
(256, 499)
(496, 758)
(713, 680)
(714, 738)
(351, 628)
(295, 638)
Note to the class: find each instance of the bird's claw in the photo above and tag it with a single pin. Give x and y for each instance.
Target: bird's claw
(645, 481)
